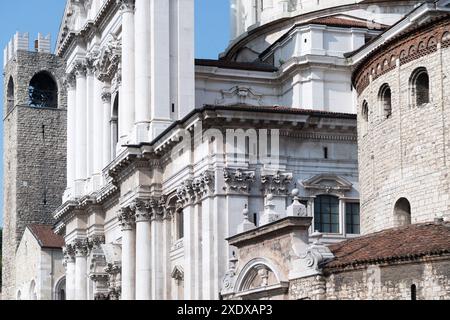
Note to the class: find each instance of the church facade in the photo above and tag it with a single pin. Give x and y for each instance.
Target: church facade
(179, 170)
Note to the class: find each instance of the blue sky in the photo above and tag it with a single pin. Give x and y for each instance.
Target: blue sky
(212, 33)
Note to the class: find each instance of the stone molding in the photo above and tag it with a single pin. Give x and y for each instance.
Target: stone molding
(419, 43)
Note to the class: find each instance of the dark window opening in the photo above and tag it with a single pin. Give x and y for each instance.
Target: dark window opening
(326, 214)
(325, 153)
(413, 292)
(115, 126)
(386, 100)
(402, 213)
(420, 84)
(365, 111)
(255, 219)
(10, 95)
(43, 91)
(352, 218)
(180, 225)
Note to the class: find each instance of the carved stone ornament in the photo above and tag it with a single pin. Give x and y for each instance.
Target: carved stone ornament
(276, 183)
(178, 273)
(229, 280)
(193, 190)
(108, 59)
(126, 218)
(240, 95)
(238, 180)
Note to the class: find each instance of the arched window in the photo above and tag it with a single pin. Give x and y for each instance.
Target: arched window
(19, 295)
(60, 290)
(43, 91)
(420, 87)
(10, 102)
(326, 214)
(365, 117)
(384, 97)
(365, 111)
(115, 126)
(33, 294)
(402, 213)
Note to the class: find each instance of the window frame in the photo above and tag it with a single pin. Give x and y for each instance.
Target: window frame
(339, 215)
(346, 203)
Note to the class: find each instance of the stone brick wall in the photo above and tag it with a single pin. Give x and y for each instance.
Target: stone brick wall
(391, 282)
(34, 156)
(407, 154)
(311, 288)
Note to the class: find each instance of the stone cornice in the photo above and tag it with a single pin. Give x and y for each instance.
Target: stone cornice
(67, 38)
(405, 48)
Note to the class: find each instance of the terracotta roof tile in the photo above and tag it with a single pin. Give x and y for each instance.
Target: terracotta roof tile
(46, 237)
(411, 242)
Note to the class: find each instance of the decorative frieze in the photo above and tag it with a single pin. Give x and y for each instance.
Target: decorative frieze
(238, 180)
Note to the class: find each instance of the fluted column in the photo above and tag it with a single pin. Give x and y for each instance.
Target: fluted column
(69, 255)
(81, 251)
(126, 112)
(157, 229)
(97, 151)
(143, 252)
(106, 125)
(81, 129)
(143, 69)
(71, 132)
(90, 120)
(126, 219)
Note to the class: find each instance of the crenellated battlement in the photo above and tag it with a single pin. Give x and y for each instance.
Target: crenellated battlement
(21, 41)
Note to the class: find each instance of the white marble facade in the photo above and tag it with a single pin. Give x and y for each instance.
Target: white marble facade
(146, 214)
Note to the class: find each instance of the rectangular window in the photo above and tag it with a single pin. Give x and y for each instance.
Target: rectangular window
(326, 214)
(180, 224)
(352, 218)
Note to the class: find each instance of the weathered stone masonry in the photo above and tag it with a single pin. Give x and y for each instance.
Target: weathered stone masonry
(35, 155)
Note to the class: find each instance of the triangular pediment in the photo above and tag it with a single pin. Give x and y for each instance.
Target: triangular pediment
(328, 182)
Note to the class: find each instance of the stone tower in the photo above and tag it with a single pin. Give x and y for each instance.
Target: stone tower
(34, 143)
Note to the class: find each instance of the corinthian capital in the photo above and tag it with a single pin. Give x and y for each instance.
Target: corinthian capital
(81, 248)
(142, 211)
(70, 81)
(80, 69)
(106, 96)
(126, 218)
